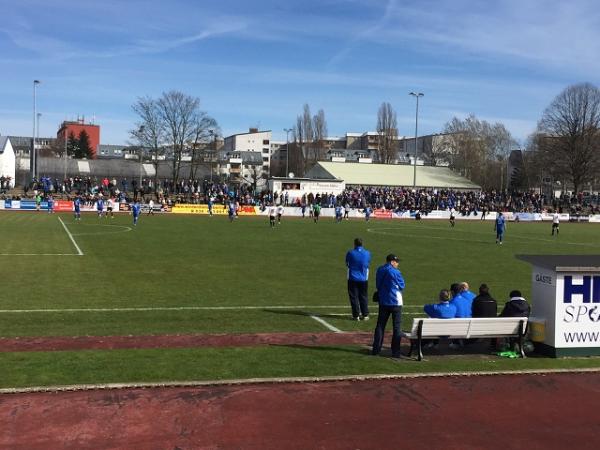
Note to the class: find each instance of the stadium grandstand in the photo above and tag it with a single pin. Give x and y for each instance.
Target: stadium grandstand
(393, 175)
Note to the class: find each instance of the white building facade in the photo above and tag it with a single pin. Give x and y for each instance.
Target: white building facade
(246, 157)
(7, 162)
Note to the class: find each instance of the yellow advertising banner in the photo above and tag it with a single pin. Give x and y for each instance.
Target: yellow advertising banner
(197, 209)
(217, 209)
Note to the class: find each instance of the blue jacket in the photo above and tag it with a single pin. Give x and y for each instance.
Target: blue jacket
(357, 261)
(443, 310)
(468, 295)
(463, 306)
(389, 285)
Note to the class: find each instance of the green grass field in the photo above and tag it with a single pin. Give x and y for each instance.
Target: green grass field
(195, 274)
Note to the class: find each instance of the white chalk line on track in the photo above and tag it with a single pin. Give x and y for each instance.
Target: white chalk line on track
(323, 379)
(79, 252)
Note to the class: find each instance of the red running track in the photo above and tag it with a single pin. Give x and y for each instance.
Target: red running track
(551, 411)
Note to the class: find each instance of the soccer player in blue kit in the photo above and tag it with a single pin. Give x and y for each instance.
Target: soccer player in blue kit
(77, 207)
(231, 211)
(136, 209)
(499, 227)
(100, 206)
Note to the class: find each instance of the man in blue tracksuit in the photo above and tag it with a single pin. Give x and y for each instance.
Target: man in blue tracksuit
(357, 262)
(390, 284)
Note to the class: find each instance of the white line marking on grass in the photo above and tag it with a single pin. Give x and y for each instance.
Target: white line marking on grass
(175, 308)
(124, 229)
(39, 254)
(326, 324)
(79, 252)
(399, 233)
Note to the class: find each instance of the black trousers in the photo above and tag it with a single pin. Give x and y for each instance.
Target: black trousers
(359, 298)
(384, 314)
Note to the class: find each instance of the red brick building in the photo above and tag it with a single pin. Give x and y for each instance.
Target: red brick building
(77, 127)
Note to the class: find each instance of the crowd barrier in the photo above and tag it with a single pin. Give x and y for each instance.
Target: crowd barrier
(291, 211)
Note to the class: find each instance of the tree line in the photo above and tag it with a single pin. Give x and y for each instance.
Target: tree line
(565, 147)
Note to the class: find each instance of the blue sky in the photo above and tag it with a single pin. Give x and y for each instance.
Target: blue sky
(255, 63)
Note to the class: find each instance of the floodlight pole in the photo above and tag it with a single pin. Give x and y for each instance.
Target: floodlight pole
(416, 95)
(33, 152)
(211, 155)
(287, 151)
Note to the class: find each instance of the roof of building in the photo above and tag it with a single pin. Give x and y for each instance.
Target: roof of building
(247, 132)
(391, 175)
(3, 141)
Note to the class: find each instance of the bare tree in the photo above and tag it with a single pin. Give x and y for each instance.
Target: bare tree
(205, 130)
(319, 126)
(296, 156)
(387, 129)
(436, 149)
(150, 130)
(479, 150)
(569, 134)
(178, 112)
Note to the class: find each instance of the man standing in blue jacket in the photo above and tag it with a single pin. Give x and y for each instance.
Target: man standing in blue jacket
(358, 261)
(390, 284)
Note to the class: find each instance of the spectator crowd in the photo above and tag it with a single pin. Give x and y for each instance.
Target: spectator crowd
(397, 199)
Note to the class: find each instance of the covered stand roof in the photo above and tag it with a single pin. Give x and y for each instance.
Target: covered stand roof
(391, 175)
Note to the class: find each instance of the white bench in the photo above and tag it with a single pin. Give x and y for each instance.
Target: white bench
(493, 327)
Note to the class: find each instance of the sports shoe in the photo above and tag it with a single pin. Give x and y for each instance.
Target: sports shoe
(356, 318)
(365, 318)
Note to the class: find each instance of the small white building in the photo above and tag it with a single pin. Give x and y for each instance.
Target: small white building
(246, 156)
(7, 161)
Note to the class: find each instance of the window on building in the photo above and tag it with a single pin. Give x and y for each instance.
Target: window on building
(265, 142)
(265, 159)
(265, 150)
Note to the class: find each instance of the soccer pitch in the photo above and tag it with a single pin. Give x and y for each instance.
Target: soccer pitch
(175, 274)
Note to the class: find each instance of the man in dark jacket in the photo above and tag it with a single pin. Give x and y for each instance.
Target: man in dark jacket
(517, 306)
(484, 305)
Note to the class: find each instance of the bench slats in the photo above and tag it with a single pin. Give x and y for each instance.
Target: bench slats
(466, 328)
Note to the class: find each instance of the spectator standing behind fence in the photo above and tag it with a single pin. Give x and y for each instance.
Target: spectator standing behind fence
(357, 261)
(390, 284)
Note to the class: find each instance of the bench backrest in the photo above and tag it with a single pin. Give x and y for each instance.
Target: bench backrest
(475, 327)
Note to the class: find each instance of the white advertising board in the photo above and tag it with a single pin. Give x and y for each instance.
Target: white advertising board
(577, 320)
